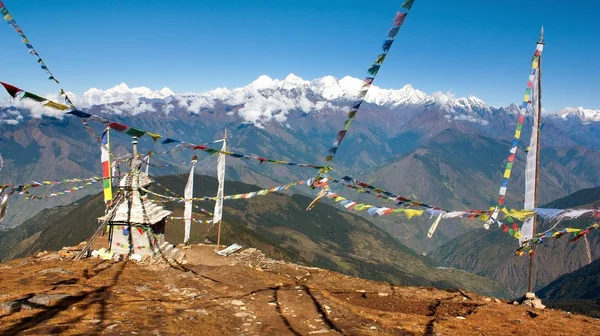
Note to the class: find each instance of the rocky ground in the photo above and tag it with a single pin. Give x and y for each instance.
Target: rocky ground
(245, 294)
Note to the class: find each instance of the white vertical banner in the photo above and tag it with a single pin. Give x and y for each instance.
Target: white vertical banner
(218, 213)
(147, 163)
(531, 166)
(188, 195)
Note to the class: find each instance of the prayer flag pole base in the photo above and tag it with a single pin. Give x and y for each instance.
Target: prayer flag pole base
(219, 236)
(531, 300)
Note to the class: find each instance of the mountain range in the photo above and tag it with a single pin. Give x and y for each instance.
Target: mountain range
(439, 149)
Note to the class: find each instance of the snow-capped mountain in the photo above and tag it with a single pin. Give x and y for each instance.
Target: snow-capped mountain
(271, 100)
(265, 99)
(583, 114)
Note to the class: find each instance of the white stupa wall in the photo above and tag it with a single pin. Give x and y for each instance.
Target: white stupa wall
(140, 236)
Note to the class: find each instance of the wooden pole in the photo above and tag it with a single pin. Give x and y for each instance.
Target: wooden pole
(219, 228)
(537, 160)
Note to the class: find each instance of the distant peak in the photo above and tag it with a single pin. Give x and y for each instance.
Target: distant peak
(291, 78)
(262, 82)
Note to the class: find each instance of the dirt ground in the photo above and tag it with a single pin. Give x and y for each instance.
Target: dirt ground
(242, 295)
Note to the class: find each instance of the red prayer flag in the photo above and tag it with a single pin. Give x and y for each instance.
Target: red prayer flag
(12, 90)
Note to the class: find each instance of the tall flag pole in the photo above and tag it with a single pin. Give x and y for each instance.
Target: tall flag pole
(533, 156)
(189, 196)
(106, 168)
(218, 213)
(527, 99)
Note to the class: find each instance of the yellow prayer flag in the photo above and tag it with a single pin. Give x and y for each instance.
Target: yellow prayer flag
(572, 230)
(527, 98)
(8, 17)
(410, 213)
(506, 173)
(517, 134)
(154, 136)
(521, 214)
(56, 106)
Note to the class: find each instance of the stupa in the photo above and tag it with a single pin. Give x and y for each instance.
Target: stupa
(136, 225)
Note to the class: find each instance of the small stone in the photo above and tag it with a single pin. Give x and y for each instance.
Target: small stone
(326, 307)
(45, 299)
(272, 303)
(487, 299)
(11, 307)
(55, 270)
(461, 317)
(201, 311)
(110, 327)
(383, 294)
(237, 302)
(530, 295)
(373, 328)
(242, 308)
(497, 301)
(50, 257)
(361, 291)
(240, 314)
(94, 321)
(321, 331)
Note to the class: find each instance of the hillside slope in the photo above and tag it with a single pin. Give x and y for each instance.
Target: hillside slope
(578, 291)
(277, 224)
(458, 170)
(491, 253)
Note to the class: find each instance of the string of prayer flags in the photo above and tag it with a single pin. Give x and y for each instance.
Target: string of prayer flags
(11, 21)
(363, 187)
(192, 219)
(237, 196)
(106, 167)
(529, 246)
(29, 196)
(513, 149)
(371, 209)
(399, 19)
(15, 92)
(21, 188)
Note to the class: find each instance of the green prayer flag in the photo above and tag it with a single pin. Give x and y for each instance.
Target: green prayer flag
(33, 97)
(408, 4)
(380, 59)
(135, 132)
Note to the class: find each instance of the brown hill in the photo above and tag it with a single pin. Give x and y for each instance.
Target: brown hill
(213, 295)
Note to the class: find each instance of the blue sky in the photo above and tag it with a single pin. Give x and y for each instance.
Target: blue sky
(468, 47)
